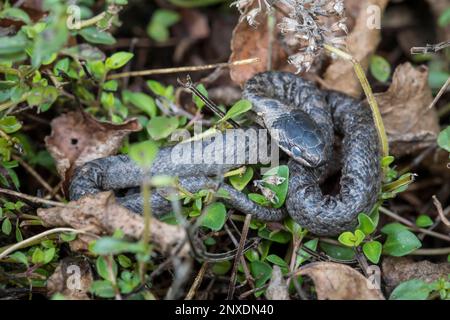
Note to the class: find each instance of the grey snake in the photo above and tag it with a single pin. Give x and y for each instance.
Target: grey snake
(307, 120)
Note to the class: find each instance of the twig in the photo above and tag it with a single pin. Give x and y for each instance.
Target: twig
(24, 243)
(430, 48)
(369, 95)
(197, 281)
(181, 69)
(412, 225)
(431, 252)
(440, 93)
(240, 249)
(36, 175)
(440, 211)
(35, 199)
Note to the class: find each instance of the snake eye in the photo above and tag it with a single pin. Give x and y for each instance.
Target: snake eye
(296, 152)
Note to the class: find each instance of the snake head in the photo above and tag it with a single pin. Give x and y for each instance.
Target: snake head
(301, 138)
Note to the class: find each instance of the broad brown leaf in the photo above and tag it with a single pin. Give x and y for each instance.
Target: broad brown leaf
(334, 281)
(409, 123)
(77, 138)
(361, 43)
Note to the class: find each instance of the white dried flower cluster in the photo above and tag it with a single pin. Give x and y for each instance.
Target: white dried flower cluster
(264, 6)
(303, 26)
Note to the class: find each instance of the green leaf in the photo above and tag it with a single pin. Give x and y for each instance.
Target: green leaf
(259, 199)
(400, 241)
(351, 239)
(380, 68)
(110, 85)
(240, 181)
(386, 161)
(161, 127)
(109, 245)
(372, 250)
(437, 78)
(444, 18)
(277, 260)
(238, 108)
(15, 14)
(49, 254)
(124, 261)
(424, 221)
(444, 139)
(6, 226)
(156, 87)
(143, 153)
(67, 237)
(221, 268)
(19, 257)
(411, 290)
(140, 100)
(103, 289)
(281, 189)
(97, 68)
(13, 45)
(198, 102)
(279, 236)
(38, 256)
(302, 255)
(158, 28)
(103, 270)
(9, 124)
(366, 224)
(337, 252)
(215, 216)
(94, 35)
(293, 227)
(261, 272)
(118, 60)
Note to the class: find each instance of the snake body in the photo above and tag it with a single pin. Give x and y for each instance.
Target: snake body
(304, 121)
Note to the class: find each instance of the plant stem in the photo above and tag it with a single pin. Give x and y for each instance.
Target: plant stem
(147, 212)
(35, 199)
(24, 243)
(181, 69)
(369, 95)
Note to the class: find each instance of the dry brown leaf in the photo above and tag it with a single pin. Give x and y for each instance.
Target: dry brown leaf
(334, 281)
(361, 43)
(397, 270)
(277, 289)
(409, 124)
(71, 278)
(77, 138)
(100, 214)
(253, 42)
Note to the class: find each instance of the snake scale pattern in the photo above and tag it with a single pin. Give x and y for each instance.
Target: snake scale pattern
(306, 120)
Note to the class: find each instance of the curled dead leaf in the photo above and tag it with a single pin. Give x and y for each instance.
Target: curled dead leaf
(253, 42)
(409, 123)
(99, 214)
(278, 289)
(397, 270)
(334, 281)
(77, 138)
(71, 278)
(362, 41)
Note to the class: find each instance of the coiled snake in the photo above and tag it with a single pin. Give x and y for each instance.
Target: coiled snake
(306, 120)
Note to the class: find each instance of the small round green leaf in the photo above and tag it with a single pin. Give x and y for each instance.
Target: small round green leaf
(380, 68)
(372, 250)
(411, 290)
(215, 216)
(424, 221)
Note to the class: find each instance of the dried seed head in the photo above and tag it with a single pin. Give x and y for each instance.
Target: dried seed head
(302, 26)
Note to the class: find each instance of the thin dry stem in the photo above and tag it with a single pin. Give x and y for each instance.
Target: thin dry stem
(181, 69)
